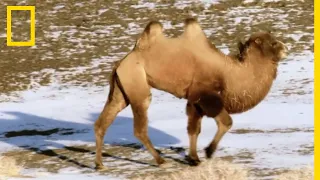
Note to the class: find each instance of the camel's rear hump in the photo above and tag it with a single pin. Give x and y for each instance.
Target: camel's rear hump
(192, 29)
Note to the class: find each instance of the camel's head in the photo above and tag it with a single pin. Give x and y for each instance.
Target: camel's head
(267, 45)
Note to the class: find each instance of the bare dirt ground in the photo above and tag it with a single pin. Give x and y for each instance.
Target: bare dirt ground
(76, 42)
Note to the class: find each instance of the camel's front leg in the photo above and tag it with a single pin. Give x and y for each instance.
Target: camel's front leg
(194, 129)
(224, 123)
(114, 105)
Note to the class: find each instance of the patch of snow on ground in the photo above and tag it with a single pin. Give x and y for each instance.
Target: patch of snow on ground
(148, 5)
(58, 7)
(101, 11)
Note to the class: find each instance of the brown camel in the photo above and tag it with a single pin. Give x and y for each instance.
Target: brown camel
(190, 67)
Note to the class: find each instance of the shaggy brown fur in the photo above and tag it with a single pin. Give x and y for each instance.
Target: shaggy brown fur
(189, 67)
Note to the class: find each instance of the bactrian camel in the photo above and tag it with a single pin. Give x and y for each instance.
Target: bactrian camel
(190, 67)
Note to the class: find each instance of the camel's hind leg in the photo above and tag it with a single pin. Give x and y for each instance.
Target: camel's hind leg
(141, 126)
(133, 79)
(224, 123)
(194, 129)
(115, 103)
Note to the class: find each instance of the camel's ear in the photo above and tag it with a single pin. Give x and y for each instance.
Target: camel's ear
(258, 41)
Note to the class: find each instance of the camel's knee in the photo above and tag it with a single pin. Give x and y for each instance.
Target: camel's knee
(96, 125)
(98, 129)
(193, 128)
(140, 133)
(226, 122)
(107, 116)
(190, 129)
(140, 126)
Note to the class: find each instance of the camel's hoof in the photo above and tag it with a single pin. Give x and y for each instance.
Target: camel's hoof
(163, 164)
(100, 167)
(209, 151)
(160, 161)
(166, 165)
(193, 161)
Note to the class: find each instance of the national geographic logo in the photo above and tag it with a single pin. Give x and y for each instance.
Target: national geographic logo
(32, 10)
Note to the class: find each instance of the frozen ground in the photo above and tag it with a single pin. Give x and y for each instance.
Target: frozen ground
(51, 94)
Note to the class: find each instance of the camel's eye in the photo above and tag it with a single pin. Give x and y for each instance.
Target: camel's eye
(274, 44)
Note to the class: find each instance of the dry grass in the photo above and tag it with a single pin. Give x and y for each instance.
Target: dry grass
(9, 168)
(209, 170)
(306, 173)
(224, 170)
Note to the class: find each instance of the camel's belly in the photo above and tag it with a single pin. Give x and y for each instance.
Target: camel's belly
(177, 88)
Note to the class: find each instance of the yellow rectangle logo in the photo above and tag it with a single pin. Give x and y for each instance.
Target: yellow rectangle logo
(32, 10)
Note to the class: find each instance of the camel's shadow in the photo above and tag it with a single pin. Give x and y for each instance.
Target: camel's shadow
(40, 135)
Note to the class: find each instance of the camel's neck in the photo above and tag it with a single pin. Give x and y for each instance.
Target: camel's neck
(247, 83)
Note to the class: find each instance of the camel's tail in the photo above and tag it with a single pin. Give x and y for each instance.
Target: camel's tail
(114, 80)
